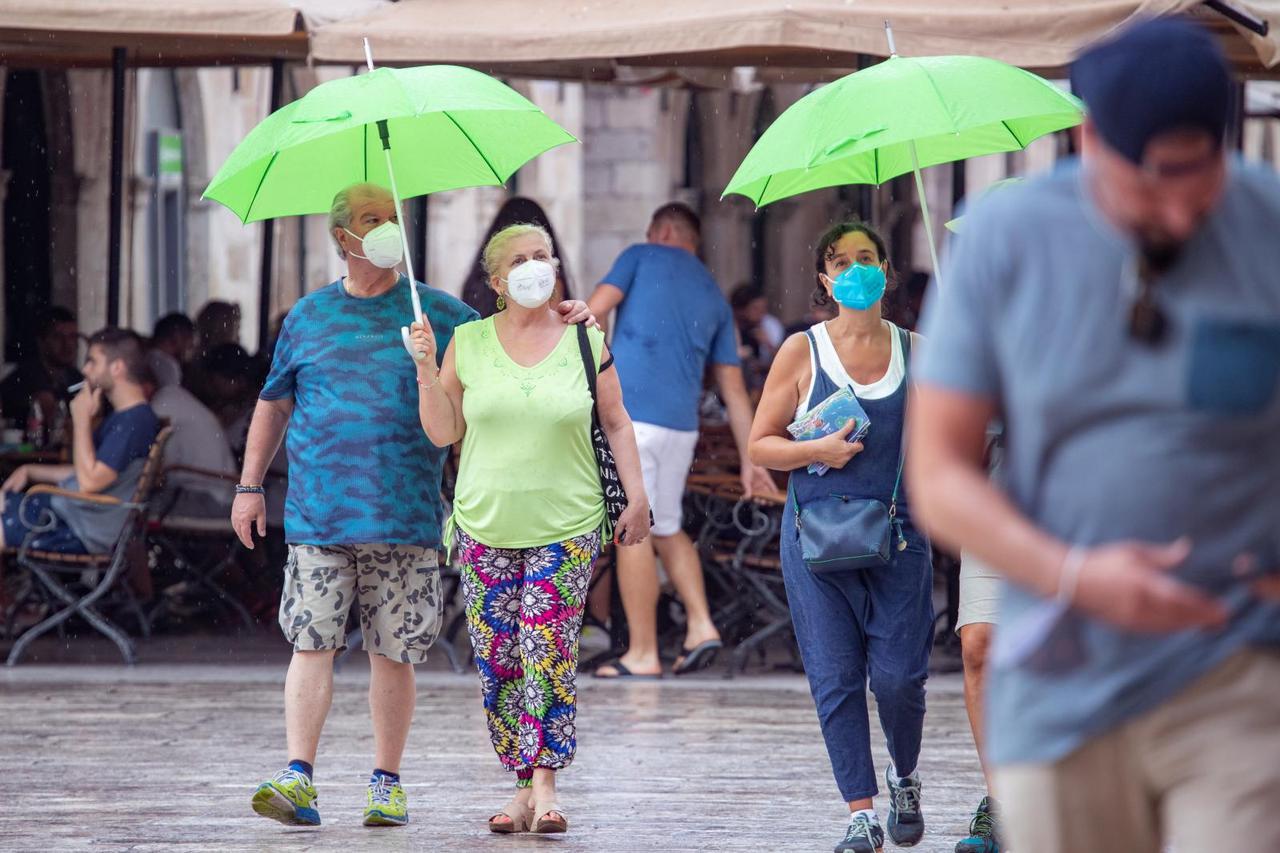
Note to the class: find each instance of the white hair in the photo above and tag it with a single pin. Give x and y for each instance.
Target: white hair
(340, 211)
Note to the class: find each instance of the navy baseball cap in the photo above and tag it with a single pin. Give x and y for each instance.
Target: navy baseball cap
(1156, 76)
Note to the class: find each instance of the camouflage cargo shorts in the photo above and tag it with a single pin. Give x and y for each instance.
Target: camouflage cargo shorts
(396, 588)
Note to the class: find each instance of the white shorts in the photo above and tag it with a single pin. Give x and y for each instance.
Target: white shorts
(979, 592)
(665, 457)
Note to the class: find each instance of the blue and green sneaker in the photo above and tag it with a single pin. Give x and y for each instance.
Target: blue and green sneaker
(982, 830)
(289, 798)
(388, 805)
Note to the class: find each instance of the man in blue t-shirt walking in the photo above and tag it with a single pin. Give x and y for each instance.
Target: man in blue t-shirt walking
(673, 321)
(363, 512)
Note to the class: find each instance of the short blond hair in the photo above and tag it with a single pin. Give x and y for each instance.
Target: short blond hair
(340, 213)
(491, 257)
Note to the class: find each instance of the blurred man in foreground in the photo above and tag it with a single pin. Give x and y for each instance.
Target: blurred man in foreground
(1123, 316)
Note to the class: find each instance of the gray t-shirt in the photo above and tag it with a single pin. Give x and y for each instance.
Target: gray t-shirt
(1109, 439)
(197, 441)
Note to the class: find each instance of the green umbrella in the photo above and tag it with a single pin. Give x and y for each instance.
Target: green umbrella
(900, 116)
(414, 130)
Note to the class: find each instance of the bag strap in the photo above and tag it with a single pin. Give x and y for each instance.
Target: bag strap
(904, 338)
(588, 362)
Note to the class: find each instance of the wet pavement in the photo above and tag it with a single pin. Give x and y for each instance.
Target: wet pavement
(164, 756)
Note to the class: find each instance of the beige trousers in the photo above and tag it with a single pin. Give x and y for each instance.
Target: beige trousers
(1200, 773)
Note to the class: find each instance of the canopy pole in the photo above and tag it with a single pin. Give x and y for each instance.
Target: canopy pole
(924, 209)
(1239, 16)
(115, 212)
(420, 231)
(269, 227)
(385, 135)
(866, 203)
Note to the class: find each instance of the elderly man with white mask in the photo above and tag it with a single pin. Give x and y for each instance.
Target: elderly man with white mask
(363, 513)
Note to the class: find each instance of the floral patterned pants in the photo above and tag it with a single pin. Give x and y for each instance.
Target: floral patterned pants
(524, 615)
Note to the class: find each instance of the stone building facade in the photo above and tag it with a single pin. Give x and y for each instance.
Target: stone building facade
(640, 147)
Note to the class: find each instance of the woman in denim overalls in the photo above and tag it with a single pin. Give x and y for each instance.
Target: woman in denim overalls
(859, 625)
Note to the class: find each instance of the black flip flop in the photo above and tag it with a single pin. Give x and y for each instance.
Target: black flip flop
(698, 658)
(623, 672)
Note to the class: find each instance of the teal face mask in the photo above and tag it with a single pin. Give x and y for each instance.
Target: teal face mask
(858, 287)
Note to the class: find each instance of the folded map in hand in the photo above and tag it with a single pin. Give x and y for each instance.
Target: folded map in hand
(831, 415)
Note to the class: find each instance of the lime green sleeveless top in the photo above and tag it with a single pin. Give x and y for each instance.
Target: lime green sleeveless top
(528, 474)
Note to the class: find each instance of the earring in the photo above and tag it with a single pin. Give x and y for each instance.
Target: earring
(502, 303)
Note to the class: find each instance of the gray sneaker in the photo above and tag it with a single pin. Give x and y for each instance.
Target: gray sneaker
(906, 821)
(864, 835)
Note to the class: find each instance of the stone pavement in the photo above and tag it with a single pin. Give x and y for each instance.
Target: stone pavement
(164, 756)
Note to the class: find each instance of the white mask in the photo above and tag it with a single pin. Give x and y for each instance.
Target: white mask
(531, 283)
(383, 246)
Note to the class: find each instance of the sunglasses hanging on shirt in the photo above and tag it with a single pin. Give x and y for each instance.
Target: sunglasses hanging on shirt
(1148, 321)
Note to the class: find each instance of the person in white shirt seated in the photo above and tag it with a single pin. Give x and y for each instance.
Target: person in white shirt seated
(173, 343)
(198, 441)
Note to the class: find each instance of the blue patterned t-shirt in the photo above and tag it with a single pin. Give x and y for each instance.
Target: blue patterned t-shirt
(361, 469)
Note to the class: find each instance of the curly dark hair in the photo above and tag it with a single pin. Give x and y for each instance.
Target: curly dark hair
(832, 236)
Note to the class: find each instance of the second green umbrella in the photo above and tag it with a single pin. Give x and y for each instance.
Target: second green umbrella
(901, 115)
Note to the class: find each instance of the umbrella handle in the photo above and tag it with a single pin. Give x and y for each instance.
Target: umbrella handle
(408, 345)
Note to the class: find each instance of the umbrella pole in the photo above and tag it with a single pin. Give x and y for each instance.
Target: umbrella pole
(924, 209)
(385, 135)
(915, 167)
(404, 235)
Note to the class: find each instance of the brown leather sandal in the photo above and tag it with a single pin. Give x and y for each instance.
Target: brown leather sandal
(551, 820)
(519, 815)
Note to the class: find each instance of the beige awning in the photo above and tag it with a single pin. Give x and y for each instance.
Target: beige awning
(154, 32)
(594, 39)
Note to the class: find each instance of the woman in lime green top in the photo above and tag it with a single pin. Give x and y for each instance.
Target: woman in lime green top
(528, 510)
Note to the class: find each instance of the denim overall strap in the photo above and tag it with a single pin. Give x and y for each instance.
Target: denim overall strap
(904, 338)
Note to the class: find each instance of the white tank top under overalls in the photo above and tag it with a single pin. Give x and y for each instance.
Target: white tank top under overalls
(883, 387)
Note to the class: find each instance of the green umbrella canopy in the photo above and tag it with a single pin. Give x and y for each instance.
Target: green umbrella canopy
(449, 127)
(860, 129)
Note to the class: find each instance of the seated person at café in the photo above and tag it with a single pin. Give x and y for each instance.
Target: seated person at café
(173, 345)
(198, 441)
(107, 461)
(43, 374)
(232, 378)
(759, 333)
(217, 326)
